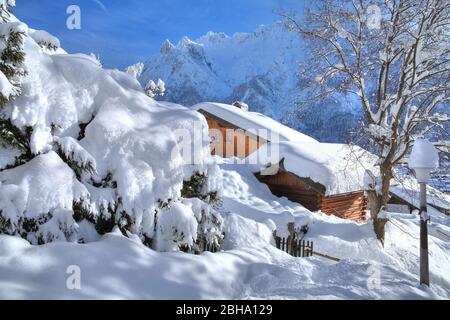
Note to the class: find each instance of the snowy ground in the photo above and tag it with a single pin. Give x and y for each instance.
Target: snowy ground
(249, 267)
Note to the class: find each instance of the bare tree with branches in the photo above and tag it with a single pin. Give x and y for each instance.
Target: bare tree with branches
(394, 56)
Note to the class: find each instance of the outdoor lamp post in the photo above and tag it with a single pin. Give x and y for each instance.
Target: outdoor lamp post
(424, 158)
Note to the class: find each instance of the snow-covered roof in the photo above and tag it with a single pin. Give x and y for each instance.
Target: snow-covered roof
(339, 168)
(408, 190)
(265, 127)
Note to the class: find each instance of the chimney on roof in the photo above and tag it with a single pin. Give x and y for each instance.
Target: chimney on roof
(241, 105)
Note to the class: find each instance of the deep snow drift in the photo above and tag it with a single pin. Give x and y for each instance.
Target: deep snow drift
(250, 267)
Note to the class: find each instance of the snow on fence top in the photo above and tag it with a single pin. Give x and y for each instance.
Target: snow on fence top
(265, 127)
(338, 167)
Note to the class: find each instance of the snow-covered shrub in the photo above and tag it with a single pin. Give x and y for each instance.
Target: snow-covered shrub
(202, 193)
(188, 225)
(157, 89)
(210, 224)
(197, 187)
(135, 70)
(37, 197)
(176, 227)
(61, 226)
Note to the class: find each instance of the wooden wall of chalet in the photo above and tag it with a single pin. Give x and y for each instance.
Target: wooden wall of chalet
(237, 144)
(348, 206)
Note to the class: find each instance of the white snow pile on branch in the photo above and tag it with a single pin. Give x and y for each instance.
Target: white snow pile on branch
(39, 190)
(7, 89)
(45, 39)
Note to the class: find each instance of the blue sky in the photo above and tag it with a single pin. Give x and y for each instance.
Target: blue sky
(127, 31)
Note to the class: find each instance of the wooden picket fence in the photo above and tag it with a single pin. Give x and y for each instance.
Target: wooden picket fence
(296, 247)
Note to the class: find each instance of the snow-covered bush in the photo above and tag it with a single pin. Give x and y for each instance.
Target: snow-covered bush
(203, 194)
(36, 200)
(176, 227)
(188, 225)
(135, 70)
(197, 187)
(210, 225)
(157, 89)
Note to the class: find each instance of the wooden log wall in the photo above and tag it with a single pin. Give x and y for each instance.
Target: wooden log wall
(287, 185)
(350, 206)
(233, 141)
(347, 206)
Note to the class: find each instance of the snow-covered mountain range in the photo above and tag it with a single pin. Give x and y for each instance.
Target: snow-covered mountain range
(259, 68)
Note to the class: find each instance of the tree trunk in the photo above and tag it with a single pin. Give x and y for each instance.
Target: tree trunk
(378, 200)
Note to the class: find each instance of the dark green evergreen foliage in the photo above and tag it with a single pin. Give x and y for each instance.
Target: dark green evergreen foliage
(83, 127)
(5, 225)
(164, 204)
(11, 60)
(107, 182)
(193, 188)
(10, 135)
(76, 166)
(12, 56)
(104, 223)
(80, 212)
(25, 225)
(196, 188)
(209, 224)
(47, 45)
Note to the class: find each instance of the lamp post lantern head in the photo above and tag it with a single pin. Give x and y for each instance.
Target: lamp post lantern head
(424, 158)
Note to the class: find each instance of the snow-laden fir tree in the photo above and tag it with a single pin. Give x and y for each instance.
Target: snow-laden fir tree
(157, 89)
(71, 169)
(11, 70)
(393, 56)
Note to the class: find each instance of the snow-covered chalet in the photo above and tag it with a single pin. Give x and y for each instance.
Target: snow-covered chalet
(320, 176)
